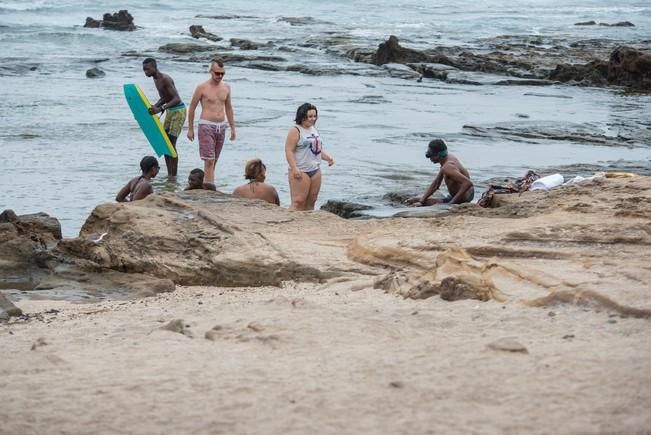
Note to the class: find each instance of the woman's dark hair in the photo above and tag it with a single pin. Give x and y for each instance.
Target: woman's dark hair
(301, 113)
(254, 169)
(147, 163)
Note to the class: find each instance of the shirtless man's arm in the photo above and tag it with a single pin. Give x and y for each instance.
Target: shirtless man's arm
(228, 108)
(196, 97)
(422, 200)
(169, 96)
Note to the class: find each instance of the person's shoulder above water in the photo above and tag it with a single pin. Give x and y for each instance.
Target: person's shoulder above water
(255, 171)
(196, 181)
(140, 187)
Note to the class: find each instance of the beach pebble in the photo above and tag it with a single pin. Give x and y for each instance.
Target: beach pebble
(179, 327)
(508, 345)
(40, 342)
(7, 307)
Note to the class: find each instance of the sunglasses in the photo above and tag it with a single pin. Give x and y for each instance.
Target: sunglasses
(218, 74)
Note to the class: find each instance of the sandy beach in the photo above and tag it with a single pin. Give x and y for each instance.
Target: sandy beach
(549, 333)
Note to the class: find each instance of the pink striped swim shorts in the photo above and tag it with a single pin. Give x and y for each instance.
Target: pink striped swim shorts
(211, 139)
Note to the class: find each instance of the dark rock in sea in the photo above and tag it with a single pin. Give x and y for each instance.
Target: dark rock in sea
(593, 73)
(525, 82)
(344, 209)
(630, 67)
(95, 73)
(297, 21)
(370, 99)
(93, 23)
(244, 44)
(391, 51)
(244, 60)
(627, 66)
(586, 23)
(620, 24)
(265, 66)
(121, 20)
(432, 71)
(401, 71)
(198, 32)
(184, 48)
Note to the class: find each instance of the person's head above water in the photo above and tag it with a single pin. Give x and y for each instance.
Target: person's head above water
(255, 170)
(195, 179)
(302, 113)
(437, 150)
(149, 166)
(149, 66)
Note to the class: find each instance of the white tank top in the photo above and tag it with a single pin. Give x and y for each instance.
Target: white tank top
(308, 149)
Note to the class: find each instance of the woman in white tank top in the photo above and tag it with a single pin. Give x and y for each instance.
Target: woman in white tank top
(304, 151)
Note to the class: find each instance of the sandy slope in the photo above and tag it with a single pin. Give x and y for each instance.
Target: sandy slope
(305, 360)
(563, 277)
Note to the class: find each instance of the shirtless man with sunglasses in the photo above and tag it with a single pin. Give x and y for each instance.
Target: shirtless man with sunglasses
(215, 97)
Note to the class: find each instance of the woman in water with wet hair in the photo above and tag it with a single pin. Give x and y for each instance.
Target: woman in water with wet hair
(139, 187)
(304, 151)
(256, 172)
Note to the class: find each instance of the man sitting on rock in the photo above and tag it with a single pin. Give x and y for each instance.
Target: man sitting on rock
(140, 187)
(455, 175)
(195, 181)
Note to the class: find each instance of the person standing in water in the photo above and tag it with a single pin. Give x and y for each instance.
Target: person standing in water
(304, 151)
(139, 187)
(455, 175)
(169, 101)
(214, 95)
(256, 172)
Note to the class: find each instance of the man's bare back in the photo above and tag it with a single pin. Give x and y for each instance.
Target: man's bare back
(450, 166)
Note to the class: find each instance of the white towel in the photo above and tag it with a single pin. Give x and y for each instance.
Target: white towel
(548, 182)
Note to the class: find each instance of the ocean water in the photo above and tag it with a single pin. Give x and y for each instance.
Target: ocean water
(70, 143)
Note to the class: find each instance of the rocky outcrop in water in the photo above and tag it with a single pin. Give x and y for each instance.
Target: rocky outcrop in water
(243, 44)
(594, 23)
(121, 20)
(95, 73)
(198, 32)
(626, 67)
(630, 67)
(184, 48)
(530, 63)
(345, 209)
